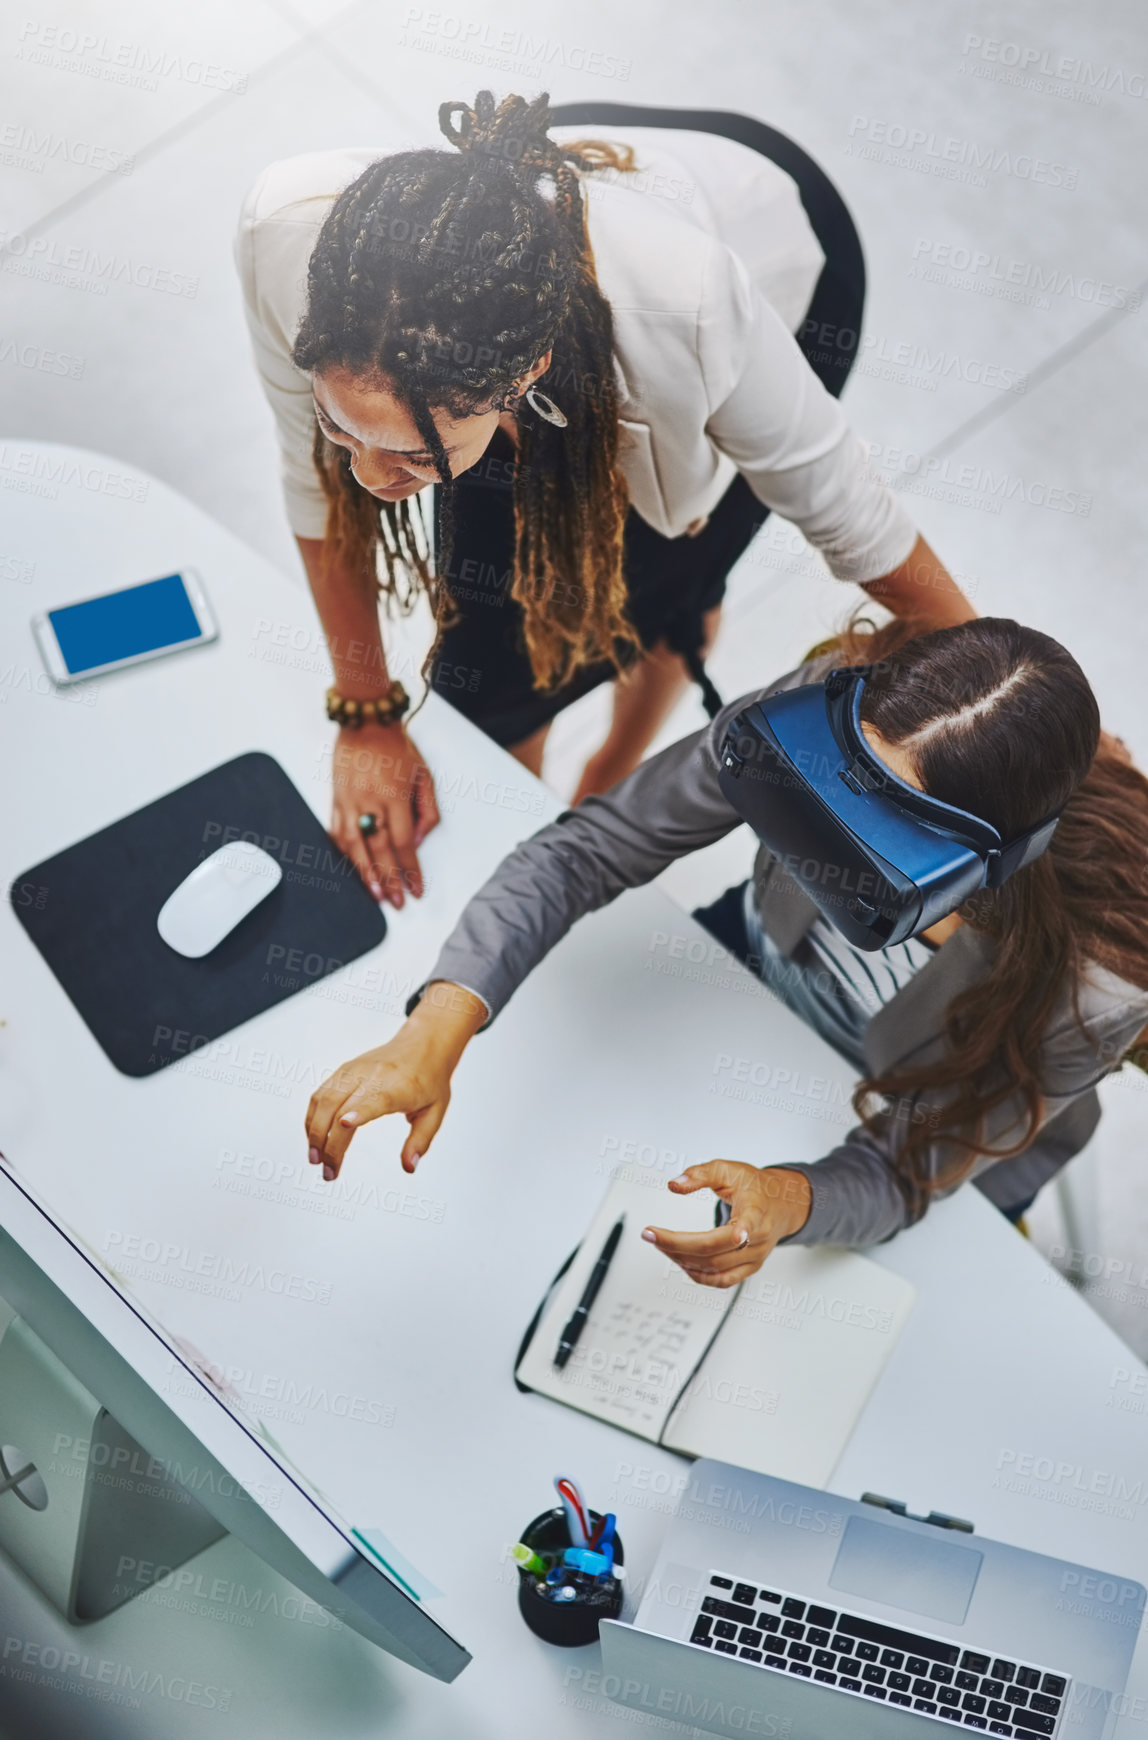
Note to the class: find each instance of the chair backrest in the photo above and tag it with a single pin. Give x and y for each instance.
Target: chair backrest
(829, 216)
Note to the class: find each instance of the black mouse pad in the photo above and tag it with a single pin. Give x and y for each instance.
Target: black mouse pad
(91, 912)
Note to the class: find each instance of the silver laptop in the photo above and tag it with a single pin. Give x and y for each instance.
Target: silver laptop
(785, 1611)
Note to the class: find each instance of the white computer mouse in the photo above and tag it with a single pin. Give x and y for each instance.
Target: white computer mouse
(208, 904)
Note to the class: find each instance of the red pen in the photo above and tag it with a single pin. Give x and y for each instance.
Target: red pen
(577, 1517)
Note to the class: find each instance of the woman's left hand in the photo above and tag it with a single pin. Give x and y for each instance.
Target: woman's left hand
(766, 1204)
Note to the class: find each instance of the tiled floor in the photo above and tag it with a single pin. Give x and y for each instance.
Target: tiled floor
(992, 155)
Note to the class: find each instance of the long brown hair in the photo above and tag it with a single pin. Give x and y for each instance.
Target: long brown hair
(445, 275)
(1000, 720)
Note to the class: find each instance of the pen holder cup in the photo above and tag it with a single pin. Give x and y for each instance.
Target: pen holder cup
(565, 1622)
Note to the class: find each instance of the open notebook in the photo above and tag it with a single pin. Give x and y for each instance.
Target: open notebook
(771, 1375)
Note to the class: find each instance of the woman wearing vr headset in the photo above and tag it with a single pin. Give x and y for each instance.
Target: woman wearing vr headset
(979, 1036)
(588, 353)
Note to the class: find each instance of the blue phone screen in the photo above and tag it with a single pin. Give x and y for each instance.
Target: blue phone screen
(121, 625)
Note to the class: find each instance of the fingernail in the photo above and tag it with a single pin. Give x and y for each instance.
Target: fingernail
(328, 1171)
(744, 1239)
(650, 1235)
(415, 1158)
(349, 1118)
(313, 1156)
(682, 1178)
(376, 891)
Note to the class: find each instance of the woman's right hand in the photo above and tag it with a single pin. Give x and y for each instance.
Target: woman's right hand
(378, 771)
(410, 1074)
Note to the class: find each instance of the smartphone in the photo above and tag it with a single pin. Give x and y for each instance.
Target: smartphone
(117, 629)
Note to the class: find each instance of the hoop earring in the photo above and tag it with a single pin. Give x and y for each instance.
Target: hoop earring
(544, 407)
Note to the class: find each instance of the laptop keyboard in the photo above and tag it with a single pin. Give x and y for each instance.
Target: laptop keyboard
(932, 1675)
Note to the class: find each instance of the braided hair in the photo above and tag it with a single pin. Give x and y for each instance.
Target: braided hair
(445, 277)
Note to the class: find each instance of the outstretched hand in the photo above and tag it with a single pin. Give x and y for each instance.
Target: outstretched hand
(410, 1074)
(766, 1204)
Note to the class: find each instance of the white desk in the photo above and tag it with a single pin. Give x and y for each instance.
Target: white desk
(403, 1393)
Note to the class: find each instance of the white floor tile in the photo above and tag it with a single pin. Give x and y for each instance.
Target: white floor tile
(316, 14)
(1044, 511)
(1072, 240)
(85, 89)
(1110, 1266)
(166, 379)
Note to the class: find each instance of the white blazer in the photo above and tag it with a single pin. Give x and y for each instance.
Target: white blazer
(708, 261)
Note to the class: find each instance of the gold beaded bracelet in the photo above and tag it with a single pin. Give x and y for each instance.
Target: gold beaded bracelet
(388, 709)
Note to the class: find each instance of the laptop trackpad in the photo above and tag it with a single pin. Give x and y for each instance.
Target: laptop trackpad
(929, 1577)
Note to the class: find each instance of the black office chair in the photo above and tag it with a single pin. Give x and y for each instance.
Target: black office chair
(830, 332)
(839, 296)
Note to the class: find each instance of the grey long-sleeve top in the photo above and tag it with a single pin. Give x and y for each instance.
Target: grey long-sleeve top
(673, 804)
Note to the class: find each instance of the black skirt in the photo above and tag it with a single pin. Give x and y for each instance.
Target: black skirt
(482, 667)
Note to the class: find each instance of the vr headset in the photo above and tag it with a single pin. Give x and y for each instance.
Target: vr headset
(881, 860)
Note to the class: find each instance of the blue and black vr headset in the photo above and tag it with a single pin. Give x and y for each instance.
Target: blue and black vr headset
(880, 859)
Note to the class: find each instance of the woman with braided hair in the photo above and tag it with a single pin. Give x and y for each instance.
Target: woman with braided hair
(584, 346)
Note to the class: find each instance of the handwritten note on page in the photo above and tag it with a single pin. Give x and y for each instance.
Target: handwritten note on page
(650, 1324)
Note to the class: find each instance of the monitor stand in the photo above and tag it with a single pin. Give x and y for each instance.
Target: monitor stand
(85, 1511)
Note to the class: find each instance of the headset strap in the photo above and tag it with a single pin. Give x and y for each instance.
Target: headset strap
(1025, 849)
(1001, 862)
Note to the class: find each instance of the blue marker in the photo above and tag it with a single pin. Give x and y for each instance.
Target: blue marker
(584, 1559)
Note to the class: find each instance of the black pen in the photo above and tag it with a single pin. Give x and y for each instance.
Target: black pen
(582, 1310)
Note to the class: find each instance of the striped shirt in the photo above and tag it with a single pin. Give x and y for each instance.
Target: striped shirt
(866, 979)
